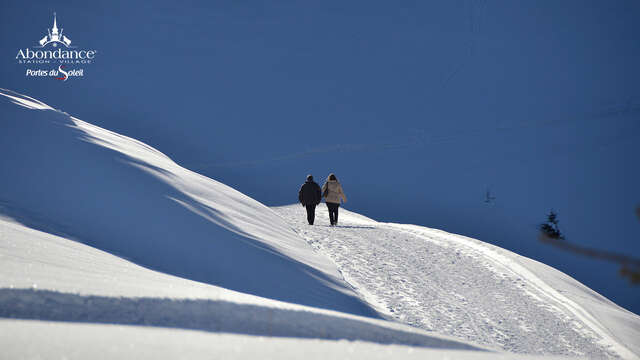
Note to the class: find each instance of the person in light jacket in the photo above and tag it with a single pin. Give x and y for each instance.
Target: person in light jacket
(333, 193)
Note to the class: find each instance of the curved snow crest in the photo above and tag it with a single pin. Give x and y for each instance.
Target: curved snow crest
(123, 196)
(24, 100)
(210, 199)
(466, 288)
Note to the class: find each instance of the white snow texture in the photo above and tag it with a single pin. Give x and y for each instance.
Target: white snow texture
(109, 249)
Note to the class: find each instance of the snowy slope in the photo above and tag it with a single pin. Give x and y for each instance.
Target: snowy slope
(103, 237)
(63, 299)
(66, 176)
(470, 289)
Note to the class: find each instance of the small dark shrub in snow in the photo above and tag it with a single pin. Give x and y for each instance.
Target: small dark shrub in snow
(550, 229)
(550, 234)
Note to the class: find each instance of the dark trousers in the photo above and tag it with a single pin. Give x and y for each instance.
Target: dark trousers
(311, 213)
(333, 212)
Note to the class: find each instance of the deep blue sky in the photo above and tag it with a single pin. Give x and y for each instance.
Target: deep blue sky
(418, 107)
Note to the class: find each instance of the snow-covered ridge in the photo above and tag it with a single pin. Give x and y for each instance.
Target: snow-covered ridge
(66, 176)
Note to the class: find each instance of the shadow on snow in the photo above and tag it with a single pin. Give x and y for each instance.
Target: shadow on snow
(205, 315)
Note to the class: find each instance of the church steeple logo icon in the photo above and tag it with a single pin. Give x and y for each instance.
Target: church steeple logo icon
(55, 36)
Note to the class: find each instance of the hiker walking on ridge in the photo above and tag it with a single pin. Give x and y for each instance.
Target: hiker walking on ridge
(310, 196)
(332, 192)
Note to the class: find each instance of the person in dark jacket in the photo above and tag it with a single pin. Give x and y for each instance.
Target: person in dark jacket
(310, 196)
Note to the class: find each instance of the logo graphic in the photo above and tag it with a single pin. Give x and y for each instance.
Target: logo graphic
(55, 49)
(54, 37)
(64, 73)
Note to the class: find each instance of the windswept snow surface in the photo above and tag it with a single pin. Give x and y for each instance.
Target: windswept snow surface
(63, 299)
(466, 288)
(66, 176)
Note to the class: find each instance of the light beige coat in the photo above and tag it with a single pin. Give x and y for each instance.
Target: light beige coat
(335, 192)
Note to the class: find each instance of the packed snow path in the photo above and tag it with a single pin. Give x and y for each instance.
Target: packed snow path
(457, 286)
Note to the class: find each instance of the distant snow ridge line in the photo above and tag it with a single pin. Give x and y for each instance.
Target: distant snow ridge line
(61, 174)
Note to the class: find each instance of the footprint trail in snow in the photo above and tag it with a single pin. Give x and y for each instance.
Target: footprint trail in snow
(454, 285)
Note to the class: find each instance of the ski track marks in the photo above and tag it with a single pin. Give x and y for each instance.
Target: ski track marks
(453, 285)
